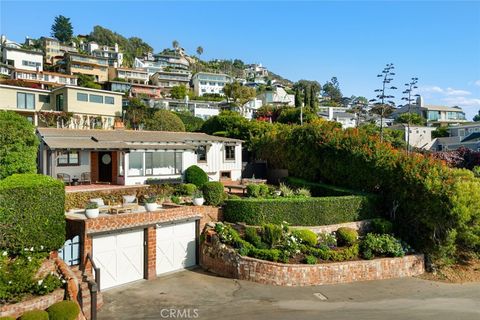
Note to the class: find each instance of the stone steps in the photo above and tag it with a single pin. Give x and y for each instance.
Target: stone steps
(84, 296)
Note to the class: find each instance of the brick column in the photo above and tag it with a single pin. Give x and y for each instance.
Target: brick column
(151, 253)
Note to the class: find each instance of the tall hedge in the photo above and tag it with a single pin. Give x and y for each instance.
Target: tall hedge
(300, 211)
(434, 208)
(18, 145)
(194, 174)
(319, 189)
(31, 212)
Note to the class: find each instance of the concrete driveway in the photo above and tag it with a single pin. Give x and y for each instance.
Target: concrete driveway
(199, 295)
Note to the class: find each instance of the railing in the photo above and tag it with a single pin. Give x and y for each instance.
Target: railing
(93, 285)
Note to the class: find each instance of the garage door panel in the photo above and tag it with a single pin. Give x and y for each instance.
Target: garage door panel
(119, 257)
(176, 246)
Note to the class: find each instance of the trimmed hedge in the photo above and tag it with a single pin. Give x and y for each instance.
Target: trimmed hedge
(301, 211)
(34, 315)
(194, 174)
(64, 310)
(213, 193)
(31, 213)
(319, 189)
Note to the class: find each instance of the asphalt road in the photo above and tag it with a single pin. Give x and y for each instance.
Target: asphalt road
(199, 295)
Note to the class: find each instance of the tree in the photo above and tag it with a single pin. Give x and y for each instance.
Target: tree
(308, 91)
(412, 85)
(358, 106)
(331, 89)
(477, 117)
(199, 50)
(238, 94)
(192, 123)
(62, 29)
(18, 145)
(136, 114)
(290, 115)
(298, 98)
(88, 81)
(411, 118)
(175, 45)
(384, 107)
(440, 132)
(179, 92)
(164, 120)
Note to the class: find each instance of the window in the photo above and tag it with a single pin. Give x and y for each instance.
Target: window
(96, 98)
(109, 100)
(31, 63)
(44, 98)
(135, 164)
(461, 133)
(201, 153)
(25, 101)
(59, 102)
(69, 158)
(82, 97)
(229, 152)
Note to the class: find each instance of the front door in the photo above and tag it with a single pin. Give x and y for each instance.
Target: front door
(105, 166)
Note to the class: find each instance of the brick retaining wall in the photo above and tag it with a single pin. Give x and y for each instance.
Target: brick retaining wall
(226, 262)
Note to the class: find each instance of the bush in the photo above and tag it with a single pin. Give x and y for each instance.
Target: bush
(300, 211)
(311, 260)
(319, 189)
(213, 193)
(286, 191)
(18, 145)
(191, 122)
(253, 190)
(306, 236)
(263, 190)
(47, 285)
(381, 226)
(385, 245)
(326, 254)
(271, 234)
(265, 254)
(186, 189)
(195, 174)
(32, 213)
(346, 236)
(63, 310)
(164, 120)
(327, 239)
(7, 318)
(303, 192)
(34, 315)
(251, 235)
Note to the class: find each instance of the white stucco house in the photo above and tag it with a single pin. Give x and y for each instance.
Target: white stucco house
(127, 157)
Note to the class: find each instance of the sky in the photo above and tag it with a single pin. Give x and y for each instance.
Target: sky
(436, 41)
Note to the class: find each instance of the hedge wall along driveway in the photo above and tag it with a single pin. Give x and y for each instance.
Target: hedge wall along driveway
(31, 212)
(301, 211)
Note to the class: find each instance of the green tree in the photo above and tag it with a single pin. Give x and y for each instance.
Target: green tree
(292, 116)
(199, 50)
(192, 123)
(440, 132)
(412, 118)
(18, 145)
(332, 90)
(238, 94)
(62, 29)
(298, 98)
(136, 114)
(179, 92)
(164, 120)
(88, 81)
(175, 45)
(477, 117)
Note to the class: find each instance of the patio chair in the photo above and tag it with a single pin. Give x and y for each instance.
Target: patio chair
(102, 207)
(64, 177)
(85, 178)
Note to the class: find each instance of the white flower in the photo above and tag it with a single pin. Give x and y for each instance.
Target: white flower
(4, 253)
(41, 247)
(40, 282)
(31, 249)
(26, 249)
(29, 258)
(10, 282)
(63, 281)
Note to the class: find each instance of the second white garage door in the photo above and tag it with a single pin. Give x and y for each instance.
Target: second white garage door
(119, 257)
(176, 246)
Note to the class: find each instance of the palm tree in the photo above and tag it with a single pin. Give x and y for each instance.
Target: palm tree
(175, 45)
(199, 50)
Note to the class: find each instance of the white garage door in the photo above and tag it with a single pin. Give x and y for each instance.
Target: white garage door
(176, 246)
(119, 257)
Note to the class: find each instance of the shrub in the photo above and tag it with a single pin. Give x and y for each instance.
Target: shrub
(319, 189)
(175, 199)
(31, 212)
(165, 120)
(7, 318)
(476, 171)
(327, 254)
(233, 196)
(195, 174)
(303, 192)
(381, 226)
(253, 190)
(186, 189)
(34, 315)
(306, 236)
(286, 191)
(310, 260)
(213, 193)
(265, 254)
(18, 145)
(47, 285)
(346, 236)
(300, 211)
(271, 234)
(327, 239)
(251, 235)
(383, 245)
(263, 190)
(63, 310)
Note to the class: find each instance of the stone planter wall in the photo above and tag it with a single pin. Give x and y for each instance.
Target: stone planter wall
(217, 258)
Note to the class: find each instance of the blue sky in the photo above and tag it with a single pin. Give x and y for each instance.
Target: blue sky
(436, 41)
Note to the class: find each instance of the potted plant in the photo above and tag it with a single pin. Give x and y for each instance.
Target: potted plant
(151, 203)
(91, 210)
(197, 198)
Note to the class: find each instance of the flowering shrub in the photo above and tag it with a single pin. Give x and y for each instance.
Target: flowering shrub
(385, 245)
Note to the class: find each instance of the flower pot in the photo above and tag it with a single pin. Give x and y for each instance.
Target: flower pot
(151, 206)
(92, 213)
(198, 201)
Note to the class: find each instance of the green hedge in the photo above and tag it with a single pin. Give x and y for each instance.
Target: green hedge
(301, 211)
(213, 193)
(31, 212)
(194, 174)
(63, 310)
(319, 189)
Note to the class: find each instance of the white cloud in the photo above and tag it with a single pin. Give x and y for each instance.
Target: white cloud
(462, 101)
(477, 83)
(456, 92)
(448, 91)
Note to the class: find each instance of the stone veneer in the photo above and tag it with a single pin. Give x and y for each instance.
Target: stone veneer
(217, 258)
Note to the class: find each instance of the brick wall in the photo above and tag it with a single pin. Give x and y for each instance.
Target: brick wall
(226, 262)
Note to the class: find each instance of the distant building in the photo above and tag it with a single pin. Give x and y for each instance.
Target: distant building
(145, 91)
(161, 62)
(170, 79)
(346, 119)
(54, 50)
(417, 136)
(22, 59)
(74, 64)
(112, 54)
(467, 136)
(278, 96)
(205, 82)
(129, 75)
(45, 80)
(198, 108)
(256, 73)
